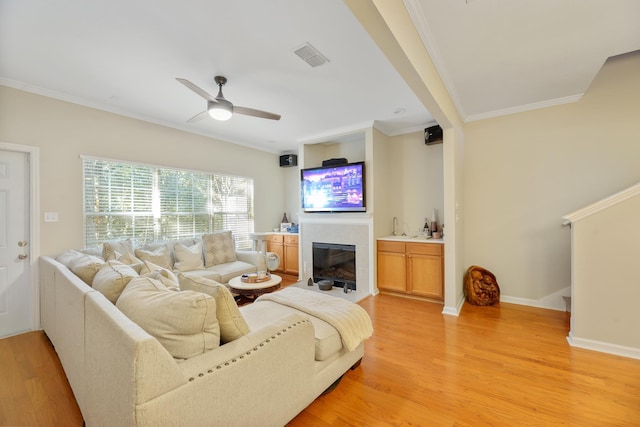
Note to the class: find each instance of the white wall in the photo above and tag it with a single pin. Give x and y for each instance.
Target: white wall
(414, 182)
(63, 131)
(606, 287)
(523, 172)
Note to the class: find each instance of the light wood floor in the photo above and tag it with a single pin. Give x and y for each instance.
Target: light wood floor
(503, 365)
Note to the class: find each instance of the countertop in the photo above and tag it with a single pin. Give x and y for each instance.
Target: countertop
(411, 239)
(269, 233)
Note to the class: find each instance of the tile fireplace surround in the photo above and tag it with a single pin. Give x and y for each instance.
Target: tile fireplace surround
(342, 231)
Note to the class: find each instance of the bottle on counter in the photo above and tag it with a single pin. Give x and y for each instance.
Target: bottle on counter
(434, 222)
(425, 230)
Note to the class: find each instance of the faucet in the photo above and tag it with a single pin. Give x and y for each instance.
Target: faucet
(395, 226)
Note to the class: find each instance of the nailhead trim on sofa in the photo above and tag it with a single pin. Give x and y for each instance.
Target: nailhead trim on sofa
(248, 353)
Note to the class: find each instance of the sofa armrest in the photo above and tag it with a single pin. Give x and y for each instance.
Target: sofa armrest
(263, 378)
(252, 257)
(124, 365)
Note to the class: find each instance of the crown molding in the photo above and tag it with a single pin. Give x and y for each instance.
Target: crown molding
(522, 108)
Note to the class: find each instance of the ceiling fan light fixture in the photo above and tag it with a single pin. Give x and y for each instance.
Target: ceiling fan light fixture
(220, 111)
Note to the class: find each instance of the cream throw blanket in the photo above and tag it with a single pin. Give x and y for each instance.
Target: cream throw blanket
(349, 319)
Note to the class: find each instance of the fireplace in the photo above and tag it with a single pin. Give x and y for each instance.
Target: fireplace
(335, 262)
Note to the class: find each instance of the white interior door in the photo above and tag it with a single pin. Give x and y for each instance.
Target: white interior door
(15, 274)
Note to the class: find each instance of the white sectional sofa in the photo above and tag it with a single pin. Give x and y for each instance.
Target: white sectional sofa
(121, 375)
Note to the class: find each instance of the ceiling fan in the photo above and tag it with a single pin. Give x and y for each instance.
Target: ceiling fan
(219, 108)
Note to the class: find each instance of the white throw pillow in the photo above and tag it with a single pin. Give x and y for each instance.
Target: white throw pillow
(218, 248)
(112, 278)
(166, 276)
(232, 324)
(188, 258)
(157, 254)
(184, 322)
(111, 248)
(86, 267)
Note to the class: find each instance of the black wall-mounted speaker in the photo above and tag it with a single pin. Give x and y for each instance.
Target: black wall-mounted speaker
(288, 160)
(433, 135)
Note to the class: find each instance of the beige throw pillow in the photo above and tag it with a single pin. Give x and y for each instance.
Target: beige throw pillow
(184, 322)
(111, 249)
(232, 324)
(112, 278)
(86, 267)
(130, 259)
(159, 255)
(166, 276)
(188, 257)
(218, 248)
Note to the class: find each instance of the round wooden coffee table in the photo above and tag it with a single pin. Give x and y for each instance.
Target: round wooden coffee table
(249, 291)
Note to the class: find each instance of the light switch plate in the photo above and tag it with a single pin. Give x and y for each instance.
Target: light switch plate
(51, 217)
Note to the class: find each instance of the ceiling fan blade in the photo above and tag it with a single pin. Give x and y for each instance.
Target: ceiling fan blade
(198, 117)
(196, 89)
(255, 113)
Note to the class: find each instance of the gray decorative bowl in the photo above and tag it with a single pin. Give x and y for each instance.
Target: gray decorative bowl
(325, 285)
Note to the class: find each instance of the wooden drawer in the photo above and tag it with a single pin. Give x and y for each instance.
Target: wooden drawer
(291, 240)
(275, 238)
(386, 246)
(425, 248)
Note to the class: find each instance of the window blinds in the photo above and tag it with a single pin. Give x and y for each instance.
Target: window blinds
(150, 203)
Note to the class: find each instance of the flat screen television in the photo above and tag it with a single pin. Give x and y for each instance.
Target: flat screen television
(334, 188)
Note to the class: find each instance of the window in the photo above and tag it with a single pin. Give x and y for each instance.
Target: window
(151, 203)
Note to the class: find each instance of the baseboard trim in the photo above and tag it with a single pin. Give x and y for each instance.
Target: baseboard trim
(551, 302)
(603, 347)
(454, 311)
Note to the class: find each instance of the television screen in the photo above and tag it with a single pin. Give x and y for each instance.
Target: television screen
(333, 188)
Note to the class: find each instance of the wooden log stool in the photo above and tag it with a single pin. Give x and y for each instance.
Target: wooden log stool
(481, 286)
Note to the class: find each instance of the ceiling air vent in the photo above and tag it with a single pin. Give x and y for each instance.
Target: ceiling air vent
(310, 55)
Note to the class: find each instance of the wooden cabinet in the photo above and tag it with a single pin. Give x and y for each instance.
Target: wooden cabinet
(291, 254)
(411, 268)
(286, 247)
(392, 266)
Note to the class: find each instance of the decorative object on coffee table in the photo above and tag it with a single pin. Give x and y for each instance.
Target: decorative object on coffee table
(248, 291)
(481, 286)
(255, 277)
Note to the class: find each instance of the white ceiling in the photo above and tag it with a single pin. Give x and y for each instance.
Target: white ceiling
(503, 56)
(496, 57)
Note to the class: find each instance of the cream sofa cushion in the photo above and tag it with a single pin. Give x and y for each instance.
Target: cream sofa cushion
(86, 267)
(218, 248)
(232, 324)
(229, 270)
(112, 278)
(184, 322)
(112, 249)
(188, 257)
(327, 339)
(157, 254)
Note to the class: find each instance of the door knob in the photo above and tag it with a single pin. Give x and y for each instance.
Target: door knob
(22, 243)
(22, 256)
